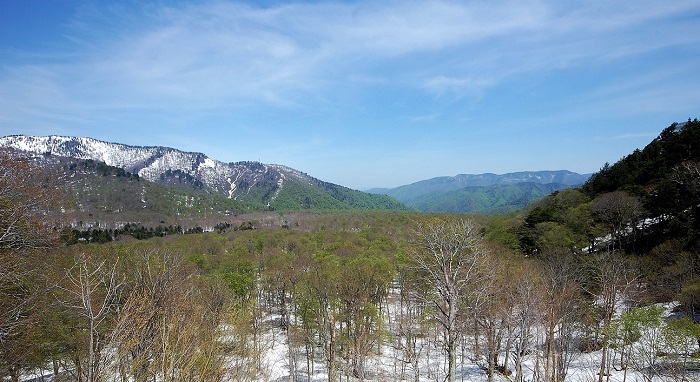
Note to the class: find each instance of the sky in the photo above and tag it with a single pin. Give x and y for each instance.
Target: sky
(359, 93)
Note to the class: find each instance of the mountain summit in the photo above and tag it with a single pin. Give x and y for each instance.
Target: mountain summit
(275, 186)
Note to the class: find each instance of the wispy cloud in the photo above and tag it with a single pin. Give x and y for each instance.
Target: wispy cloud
(458, 87)
(425, 118)
(220, 54)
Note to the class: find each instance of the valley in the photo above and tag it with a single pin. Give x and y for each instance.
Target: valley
(121, 273)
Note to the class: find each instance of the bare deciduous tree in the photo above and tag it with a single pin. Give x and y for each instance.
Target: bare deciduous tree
(91, 291)
(687, 174)
(169, 328)
(560, 309)
(613, 281)
(454, 265)
(524, 297)
(620, 212)
(27, 194)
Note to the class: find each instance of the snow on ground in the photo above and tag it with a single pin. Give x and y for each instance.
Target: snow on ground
(387, 364)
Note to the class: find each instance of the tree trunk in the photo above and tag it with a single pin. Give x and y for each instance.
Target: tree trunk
(491, 354)
(452, 340)
(292, 360)
(506, 352)
(55, 364)
(549, 349)
(331, 350)
(452, 358)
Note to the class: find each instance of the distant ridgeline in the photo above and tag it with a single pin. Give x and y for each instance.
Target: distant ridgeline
(483, 193)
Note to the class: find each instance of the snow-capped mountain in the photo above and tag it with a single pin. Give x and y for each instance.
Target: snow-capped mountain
(152, 163)
(246, 181)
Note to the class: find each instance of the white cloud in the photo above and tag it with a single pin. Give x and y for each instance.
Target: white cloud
(426, 118)
(458, 87)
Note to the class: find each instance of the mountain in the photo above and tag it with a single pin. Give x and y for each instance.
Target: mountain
(485, 199)
(482, 193)
(268, 185)
(105, 196)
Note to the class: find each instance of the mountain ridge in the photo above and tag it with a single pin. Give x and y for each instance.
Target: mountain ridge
(458, 181)
(494, 199)
(246, 181)
(482, 193)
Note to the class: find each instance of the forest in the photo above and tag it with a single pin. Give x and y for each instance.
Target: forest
(598, 283)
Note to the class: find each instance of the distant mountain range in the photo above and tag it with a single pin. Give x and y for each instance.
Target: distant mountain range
(264, 185)
(482, 193)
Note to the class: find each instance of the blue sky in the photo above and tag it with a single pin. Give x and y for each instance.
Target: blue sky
(359, 93)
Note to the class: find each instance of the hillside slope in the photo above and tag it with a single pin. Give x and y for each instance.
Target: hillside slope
(484, 199)
(646, 205)
(105, 196)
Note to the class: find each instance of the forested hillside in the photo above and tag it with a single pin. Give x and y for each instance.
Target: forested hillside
(484, 199)
(597, 283)
(646, 205)
(482, 193)
(107, 197)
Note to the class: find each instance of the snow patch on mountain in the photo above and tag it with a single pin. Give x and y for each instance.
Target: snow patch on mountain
(208, 163)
